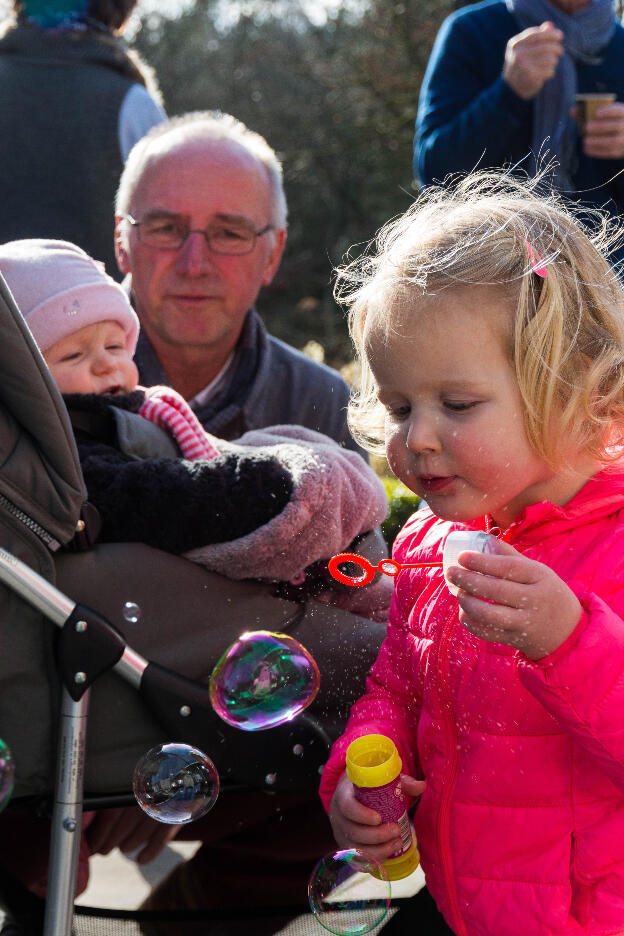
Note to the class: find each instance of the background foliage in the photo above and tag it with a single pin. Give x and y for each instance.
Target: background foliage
(337, 101)
(401, 505)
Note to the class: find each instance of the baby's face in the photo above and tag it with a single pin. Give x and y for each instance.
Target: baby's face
(93, 359)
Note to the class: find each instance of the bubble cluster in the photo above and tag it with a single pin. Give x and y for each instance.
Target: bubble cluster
(264, 679)
(349, 892)
(131, 612)
(175, 783)
(7, 774)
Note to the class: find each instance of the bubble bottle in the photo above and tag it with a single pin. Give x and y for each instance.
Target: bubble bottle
(374, 769)
(460, 541)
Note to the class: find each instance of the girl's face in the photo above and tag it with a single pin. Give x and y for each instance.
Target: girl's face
(454, 415)
(93, 359)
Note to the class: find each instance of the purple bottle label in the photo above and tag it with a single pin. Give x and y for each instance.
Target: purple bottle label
(390, 802)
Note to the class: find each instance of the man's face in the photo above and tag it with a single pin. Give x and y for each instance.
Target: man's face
(193, 297)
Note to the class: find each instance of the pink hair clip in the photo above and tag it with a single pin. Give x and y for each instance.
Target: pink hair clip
(537, 263)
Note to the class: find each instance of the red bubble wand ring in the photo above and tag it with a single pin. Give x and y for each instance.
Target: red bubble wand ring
(387, 566)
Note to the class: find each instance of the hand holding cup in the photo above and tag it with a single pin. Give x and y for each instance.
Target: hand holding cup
(600, 120)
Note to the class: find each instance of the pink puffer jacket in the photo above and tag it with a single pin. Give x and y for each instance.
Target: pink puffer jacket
(521, 826)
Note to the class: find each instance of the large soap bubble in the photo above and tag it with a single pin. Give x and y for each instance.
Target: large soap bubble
(175, 783)
(262, 680)
(349, 892)
(7, 774)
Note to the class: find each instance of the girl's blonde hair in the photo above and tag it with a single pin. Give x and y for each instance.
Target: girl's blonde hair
(568, 328)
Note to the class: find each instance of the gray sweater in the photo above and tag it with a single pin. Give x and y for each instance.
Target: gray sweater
(271, 384)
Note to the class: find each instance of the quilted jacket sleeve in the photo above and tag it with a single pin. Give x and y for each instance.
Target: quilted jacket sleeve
(582, 683)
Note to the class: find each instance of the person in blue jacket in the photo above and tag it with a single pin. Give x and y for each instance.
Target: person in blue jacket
(499, 90)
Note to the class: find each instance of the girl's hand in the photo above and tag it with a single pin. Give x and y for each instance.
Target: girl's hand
(510, 599)
(357, 826)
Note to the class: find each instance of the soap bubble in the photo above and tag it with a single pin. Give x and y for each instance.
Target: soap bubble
(349, 892)
(131, 612)
(263, 680)
(7, 774)
(175, 783)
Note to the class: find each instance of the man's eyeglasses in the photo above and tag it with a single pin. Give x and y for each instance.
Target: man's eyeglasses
(169, 233)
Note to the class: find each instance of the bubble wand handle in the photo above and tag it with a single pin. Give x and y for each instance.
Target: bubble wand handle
(387, 566)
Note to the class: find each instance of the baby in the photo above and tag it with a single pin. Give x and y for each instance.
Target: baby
(268, 506)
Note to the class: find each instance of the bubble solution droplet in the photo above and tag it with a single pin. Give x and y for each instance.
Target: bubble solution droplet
(7, 774)
(175, 783)
(264, 679)
(131, 612)
(349, 892)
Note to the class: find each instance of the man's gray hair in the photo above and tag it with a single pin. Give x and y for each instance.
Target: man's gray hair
(204, 125)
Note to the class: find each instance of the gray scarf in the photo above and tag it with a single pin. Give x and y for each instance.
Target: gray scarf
(586, 34)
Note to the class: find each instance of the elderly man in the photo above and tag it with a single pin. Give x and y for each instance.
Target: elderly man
(501, 84)
(200, 228)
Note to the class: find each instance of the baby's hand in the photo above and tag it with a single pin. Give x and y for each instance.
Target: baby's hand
(526, 604)
(357, 826)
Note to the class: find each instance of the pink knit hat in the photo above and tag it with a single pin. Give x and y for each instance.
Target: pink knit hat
(60, 289)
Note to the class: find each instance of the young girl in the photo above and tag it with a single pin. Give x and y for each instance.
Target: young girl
(491, 335)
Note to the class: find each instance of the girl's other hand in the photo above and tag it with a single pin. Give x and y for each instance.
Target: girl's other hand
(357, 826)
(510, 599)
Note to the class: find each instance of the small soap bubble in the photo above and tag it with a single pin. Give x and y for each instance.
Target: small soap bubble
(175, 783)
(7, 774)
(131, 612)
(349, 892)
(264, 679)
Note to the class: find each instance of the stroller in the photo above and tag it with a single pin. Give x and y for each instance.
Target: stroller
(48, 684)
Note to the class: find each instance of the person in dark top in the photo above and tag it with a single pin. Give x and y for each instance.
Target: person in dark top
(74, 101)
(500, 89)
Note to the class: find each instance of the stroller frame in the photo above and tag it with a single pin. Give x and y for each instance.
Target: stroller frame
(67, 812)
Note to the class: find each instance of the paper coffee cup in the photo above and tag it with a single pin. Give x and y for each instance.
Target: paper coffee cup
(588, 104)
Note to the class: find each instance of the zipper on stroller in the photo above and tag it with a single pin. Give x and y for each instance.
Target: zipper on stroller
(45, 537)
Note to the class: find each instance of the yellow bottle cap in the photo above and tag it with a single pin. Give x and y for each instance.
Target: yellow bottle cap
(373, 761)
(402, 865)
